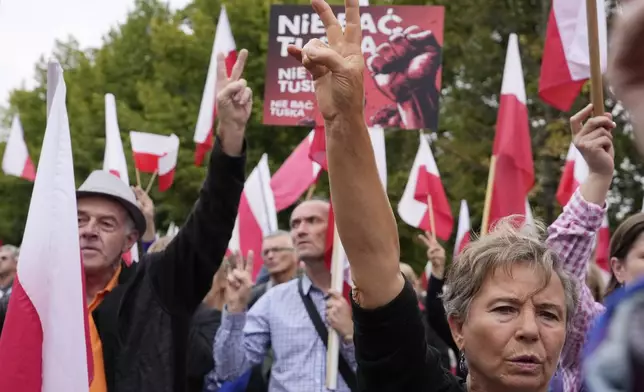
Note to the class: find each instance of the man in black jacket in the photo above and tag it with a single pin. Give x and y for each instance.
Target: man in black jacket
(140, 315)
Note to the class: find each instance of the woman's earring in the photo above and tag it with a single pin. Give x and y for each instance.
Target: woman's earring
(462, 366)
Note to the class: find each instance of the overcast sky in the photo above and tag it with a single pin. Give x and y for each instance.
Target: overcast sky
(29, 28)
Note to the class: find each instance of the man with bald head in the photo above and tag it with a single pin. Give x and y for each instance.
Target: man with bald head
(280, 318)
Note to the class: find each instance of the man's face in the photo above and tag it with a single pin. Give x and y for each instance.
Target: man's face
(279, 254)
(104, 233)
(7, 262)
(308, 229)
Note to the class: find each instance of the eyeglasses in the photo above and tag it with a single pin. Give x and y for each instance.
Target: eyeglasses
(265, 252)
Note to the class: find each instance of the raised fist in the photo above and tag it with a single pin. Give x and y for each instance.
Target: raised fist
(387, 117)
(405, 69)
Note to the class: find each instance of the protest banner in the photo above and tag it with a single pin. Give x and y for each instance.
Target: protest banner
(402, 46)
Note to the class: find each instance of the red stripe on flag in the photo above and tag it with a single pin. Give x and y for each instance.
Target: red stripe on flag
(556, 86)
(203, 148)
(29, 171)
(24, 344)
(146, 163)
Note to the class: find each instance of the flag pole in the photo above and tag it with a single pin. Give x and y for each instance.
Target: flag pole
(596, 85)
(309, 193)
(430, 214)
(138, 177)
(337, 284)
(154, 176)
(488, 197)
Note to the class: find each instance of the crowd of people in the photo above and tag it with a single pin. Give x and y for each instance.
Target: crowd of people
(512, 312)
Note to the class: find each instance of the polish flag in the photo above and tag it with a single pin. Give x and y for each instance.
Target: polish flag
(295, 176)
(464, 228)
(256, 216)
(574, 174)
(512, 152)
(156, 154)
(224, 43)
(168, 164)
(565, 65)
(114, 159)
(424, 183)
(16, 161)
(45, 345)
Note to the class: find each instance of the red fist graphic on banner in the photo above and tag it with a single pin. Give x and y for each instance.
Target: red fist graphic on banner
(405, 70)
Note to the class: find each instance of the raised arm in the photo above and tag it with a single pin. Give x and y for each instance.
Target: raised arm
(572, 235)
(363, 215)
(182, 274)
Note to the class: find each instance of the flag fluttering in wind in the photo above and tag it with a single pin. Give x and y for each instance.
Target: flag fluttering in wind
(511, 167)
(574, 174)
(565, 66)
(16, 160)
(297, 174)
(224, 43)
(114, 159)
(464, 228)
(45, 344)
(256, 216)
(425, 194)
(156, 154)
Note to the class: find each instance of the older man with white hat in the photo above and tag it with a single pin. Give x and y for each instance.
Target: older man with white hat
(140, 314)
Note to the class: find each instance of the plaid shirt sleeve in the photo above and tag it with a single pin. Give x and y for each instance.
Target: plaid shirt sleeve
(572, 237)
(241, 341)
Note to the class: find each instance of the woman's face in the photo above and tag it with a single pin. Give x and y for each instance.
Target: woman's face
(632, 267)
(514, 331)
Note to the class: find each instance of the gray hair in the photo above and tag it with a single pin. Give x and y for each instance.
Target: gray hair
(504, 247)
(277, 233)
(14, 250)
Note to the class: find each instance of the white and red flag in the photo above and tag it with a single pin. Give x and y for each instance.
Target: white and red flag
(425, 189)
(45, 345)
(565, 65)
(114, 159)
(156, 154)
(574, 173)
(224, 43)
(464, 228)
(512, 165)
(256, 216)
(295, 176)
(16, 160)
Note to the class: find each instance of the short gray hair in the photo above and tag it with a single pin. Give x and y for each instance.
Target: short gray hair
(277, 233)
(14, 250)
(504, 247)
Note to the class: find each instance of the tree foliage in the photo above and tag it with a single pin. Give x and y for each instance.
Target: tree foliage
(156, 62)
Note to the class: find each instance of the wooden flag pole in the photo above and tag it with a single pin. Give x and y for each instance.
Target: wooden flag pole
(488, 197)
(309, 193)
(596, 85)
(154, 176)
(337, 284)
(430, 214)
(138, 177)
